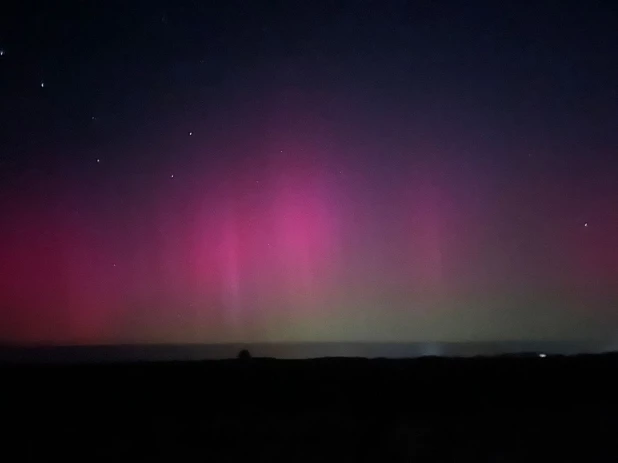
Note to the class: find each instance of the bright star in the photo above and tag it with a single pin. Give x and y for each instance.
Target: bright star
(190, 133)
(1, 52)
(42, 84)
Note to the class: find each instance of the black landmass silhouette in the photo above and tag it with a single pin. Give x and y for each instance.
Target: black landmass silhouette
(431, 409)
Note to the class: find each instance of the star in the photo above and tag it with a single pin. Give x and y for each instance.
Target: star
(98, 161)
(93, 118)
(42, 84)
(1, 52)
(586, 224)
(190, 133)
(172, 176)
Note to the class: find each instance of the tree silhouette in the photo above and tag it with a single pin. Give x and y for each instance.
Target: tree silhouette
(244, 355)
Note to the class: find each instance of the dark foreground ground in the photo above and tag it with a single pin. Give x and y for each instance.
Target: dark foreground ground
(425, 410)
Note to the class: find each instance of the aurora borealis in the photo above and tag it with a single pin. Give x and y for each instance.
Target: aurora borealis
(339, 171)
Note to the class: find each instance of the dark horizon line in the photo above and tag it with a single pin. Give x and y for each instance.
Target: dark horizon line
(4, 344)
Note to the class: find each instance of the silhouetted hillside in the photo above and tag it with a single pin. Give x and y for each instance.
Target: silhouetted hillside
(430, 409)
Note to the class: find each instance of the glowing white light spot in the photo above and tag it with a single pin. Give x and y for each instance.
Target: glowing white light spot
(586, 224)
(1, 52)
(542, 355)
(98, 161)
(190, 133)
(172, 176)
(42, 84)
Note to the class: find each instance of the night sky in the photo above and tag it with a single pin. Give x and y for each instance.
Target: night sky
(265, 171)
